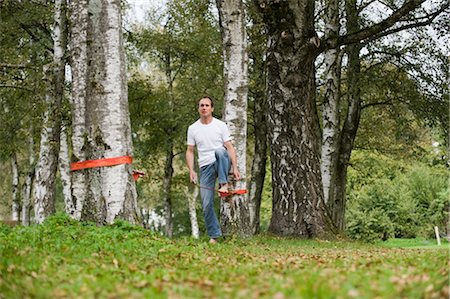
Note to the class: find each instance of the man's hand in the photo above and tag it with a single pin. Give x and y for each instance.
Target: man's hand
(193, 177)
(236, 174)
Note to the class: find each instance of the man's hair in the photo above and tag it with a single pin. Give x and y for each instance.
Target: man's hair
(209, 98)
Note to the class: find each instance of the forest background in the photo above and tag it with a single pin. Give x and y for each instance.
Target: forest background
(397, 181)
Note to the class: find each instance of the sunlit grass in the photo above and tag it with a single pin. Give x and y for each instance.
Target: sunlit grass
(66, 259)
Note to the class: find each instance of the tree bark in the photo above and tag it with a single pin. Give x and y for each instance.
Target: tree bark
(167, 186)
(15, 209)
(257, 53)
(64, 170)
(331, 102)
(79, 67)
(235, 217)
(298, 207)
(259, 162)
(49, 145)
(28, 184)
(192, 197)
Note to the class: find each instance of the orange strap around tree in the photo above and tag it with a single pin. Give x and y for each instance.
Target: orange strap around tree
(233, 192)
(101, 163)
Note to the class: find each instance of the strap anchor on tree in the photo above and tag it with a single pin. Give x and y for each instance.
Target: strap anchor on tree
(105, 162)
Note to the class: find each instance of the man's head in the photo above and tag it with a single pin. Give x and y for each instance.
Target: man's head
(205, 107)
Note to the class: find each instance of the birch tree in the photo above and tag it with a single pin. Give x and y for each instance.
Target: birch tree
(79, 70)
(29, 178)
(44, 191)
(331, 100)
(235, 217)
(15, 188)
(100, 70)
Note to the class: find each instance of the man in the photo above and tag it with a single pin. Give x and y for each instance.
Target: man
(215, 156)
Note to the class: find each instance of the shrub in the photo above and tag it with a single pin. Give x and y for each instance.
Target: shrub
(406, 205)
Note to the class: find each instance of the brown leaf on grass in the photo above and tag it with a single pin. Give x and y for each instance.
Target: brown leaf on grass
(353, 293)
(278, 295)
(141, 284)
(132, 267)
(116, 263)
(445, 292)
(59, 293)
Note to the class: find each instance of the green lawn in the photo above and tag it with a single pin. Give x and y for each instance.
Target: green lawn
(66, 259)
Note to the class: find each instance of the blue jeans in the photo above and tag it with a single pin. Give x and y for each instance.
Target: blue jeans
(208, 175)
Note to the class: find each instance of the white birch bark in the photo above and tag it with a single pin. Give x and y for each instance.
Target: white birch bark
(49, 146)
(111, 190)
(330, 115)
(64, 170)
(28, 184)
(15, 189)
(79, 71)
(235, 217)
(192, 198)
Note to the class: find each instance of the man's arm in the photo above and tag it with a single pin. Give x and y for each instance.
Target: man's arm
(190, 164)
(232, 153)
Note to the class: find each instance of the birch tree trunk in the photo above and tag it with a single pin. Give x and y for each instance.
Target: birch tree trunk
(110, 191)
(28, 184)
(49, 145)
(79, 71)
(330, 114)
(298, 207)
(192, 197)
(338, 199)
(235, 216)
(168, 167)
(15, 216)
(64, 170)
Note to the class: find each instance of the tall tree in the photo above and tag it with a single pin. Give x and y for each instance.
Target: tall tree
(258, 119)
(79, 66)
(235, 217)
(331, 100)
(298, 206)
(15, 188)
(44, 201)
(100, 69)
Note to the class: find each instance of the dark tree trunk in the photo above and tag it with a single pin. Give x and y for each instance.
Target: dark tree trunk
(257, 54)
(259, 161)
(167, 186)
(298, 206)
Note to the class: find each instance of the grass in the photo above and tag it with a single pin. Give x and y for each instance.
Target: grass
(67, 259)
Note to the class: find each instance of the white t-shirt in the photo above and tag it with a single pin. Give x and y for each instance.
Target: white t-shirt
(207, 138)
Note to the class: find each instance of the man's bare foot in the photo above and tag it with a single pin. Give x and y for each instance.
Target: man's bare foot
(212, 241)
(224, 188)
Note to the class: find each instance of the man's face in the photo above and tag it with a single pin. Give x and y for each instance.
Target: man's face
(204, 108)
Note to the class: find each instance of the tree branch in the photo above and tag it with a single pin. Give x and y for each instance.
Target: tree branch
(388, 102)
(428, 20)
(376, 29)
(16, 66)
(16, 87)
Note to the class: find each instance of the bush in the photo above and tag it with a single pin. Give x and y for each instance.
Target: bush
(405, 205)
